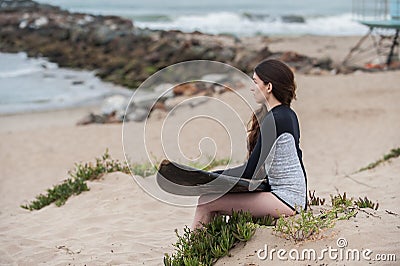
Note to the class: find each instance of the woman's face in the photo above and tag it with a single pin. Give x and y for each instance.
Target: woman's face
(260, 90)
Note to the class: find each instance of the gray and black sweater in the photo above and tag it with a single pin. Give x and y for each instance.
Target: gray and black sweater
(277, 158)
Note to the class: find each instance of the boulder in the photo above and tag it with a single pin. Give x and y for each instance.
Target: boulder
(186, 89)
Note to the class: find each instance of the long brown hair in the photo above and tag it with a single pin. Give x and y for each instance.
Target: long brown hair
(283, 88)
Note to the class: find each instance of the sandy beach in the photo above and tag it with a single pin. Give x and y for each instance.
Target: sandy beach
(347, 122)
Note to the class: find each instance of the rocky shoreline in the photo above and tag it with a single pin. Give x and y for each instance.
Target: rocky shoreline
(122, 53)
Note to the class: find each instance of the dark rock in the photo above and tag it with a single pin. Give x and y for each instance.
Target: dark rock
(186, 89)
(12, 5)
(255, 17)
(98, 119)
(293, 19)
(324, 63)
(246, 61)
(78, 82)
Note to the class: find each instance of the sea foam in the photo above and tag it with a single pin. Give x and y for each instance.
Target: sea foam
(249, 25)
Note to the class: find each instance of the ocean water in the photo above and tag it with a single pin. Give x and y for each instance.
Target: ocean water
(242, 18)
(31, 84)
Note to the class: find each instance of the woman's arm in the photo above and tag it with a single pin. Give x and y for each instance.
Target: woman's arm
(246, 169)
(256, 160)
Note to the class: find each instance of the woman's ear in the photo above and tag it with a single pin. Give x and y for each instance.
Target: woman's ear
(269, 87)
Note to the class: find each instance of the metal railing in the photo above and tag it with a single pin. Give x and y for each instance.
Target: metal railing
(376, 10)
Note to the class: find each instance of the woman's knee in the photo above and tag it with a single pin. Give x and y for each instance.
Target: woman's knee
(205, 199)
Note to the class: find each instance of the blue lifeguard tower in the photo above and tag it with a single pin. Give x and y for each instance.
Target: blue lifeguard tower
(382, 17)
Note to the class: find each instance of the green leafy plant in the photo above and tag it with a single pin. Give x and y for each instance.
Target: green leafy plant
(304, 226)
(76, 184)
(264, 221)
(307, 225)
(244, 232)
(347, 213)
(341, 201)
(392, 154)
(366, 203)
(143, 169)
(214, 162)
(58, 194)
(206, 245)
(313, 200)
(103, 165)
